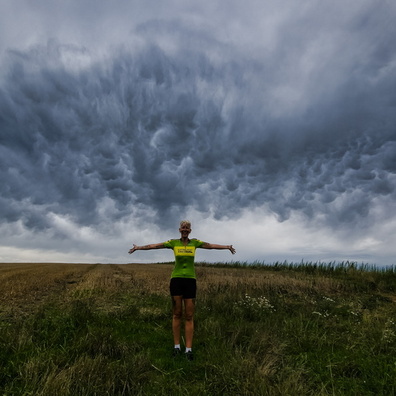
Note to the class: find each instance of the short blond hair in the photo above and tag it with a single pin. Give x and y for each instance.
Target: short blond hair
(185, 223)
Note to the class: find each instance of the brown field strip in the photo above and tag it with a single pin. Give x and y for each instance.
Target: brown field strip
(28, 284)
(25, 286)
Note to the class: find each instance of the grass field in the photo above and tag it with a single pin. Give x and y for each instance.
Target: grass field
(280, 329)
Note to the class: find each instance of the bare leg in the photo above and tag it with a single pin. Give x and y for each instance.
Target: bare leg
(176, 318)
(189, 306)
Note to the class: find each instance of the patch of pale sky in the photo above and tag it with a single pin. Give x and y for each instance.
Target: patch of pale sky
(256, 235)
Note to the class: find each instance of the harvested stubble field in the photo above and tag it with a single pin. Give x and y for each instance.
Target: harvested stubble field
(93, 329)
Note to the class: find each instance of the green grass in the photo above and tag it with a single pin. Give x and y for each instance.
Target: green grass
(332, 333)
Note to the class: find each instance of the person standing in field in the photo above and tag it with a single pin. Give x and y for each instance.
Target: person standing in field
(183, 286)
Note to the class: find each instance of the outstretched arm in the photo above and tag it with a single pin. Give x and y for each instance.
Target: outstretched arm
(214, 246)
(147, 247)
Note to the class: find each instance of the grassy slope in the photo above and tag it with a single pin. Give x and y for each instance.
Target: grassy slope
(307, 329)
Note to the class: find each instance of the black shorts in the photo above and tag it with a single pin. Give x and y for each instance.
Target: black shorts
(185, 287)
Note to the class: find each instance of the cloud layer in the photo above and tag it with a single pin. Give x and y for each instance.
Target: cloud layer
(298, 122)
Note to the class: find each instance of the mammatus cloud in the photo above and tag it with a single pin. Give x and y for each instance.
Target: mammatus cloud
(184, 121)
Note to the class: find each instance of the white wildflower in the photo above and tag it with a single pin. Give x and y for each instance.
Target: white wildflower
(255, 303)
(328, 299)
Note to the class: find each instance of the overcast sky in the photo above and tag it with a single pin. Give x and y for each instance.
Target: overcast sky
(271, 125)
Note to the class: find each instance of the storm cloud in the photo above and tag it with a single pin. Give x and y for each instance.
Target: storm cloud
(180, 118)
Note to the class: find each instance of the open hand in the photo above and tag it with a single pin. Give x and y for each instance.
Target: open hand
(133, 249)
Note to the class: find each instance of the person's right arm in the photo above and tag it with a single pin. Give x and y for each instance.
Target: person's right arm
(147, 247)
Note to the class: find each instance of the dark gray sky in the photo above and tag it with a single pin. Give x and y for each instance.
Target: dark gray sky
(271, 125)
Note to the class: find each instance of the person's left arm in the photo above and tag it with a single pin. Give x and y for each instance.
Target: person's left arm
(207, 245)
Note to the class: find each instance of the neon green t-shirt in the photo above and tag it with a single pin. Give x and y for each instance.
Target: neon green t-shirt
(184, 257)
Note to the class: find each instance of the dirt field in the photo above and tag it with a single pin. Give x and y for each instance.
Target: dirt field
(24, 286)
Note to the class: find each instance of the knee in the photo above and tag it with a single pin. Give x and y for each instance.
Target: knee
(189, 317)
(177, 315)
